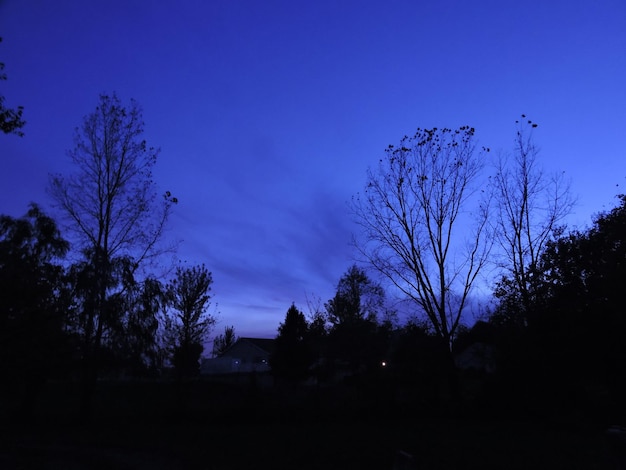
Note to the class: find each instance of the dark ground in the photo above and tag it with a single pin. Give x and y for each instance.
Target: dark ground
(160, 425)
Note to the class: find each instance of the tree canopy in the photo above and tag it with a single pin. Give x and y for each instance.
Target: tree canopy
(33, 341)
(357, 298)
(187, 328)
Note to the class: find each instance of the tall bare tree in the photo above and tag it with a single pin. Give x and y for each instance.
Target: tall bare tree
(112, 211)
(417, 227)
(530, 206)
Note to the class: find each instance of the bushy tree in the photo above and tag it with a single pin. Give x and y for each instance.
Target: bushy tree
(353, 312)
(357, 299)
(584, 295)
(571, 353)
(33, 342)
(136, 340)
(188, 323)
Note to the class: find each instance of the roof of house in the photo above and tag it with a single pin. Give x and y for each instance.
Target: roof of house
(265, 345)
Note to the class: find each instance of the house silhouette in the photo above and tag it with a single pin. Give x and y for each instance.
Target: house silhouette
(246, 355)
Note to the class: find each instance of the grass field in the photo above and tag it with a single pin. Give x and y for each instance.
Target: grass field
(151, 425)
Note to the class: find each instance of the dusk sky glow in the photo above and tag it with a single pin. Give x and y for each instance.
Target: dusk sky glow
(269, 113)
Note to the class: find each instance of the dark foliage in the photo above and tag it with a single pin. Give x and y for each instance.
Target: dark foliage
(134, 341)
(11, 121)
(584, 314)
(292, 356)
(33, 342)
(355, 339)
(358, 298)
(116, 221)
(141, 425)
(188, 324)
(571, 355)
(186, 359)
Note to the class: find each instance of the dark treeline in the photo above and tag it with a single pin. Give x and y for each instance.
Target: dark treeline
(91, 306)
(558, 353)
(86, 303)
(562, 347)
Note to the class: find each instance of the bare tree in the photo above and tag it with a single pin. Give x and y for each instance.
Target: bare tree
(530, 206)
(317, 316)
(110, 202)
(417, 230)
(113, 212)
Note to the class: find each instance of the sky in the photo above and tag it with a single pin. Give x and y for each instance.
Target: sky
(269, 113)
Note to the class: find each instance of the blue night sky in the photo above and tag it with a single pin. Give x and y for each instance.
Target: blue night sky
(268, 113)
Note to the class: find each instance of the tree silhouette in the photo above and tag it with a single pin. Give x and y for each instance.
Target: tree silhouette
(353, 313)
(292, 358)
(529, 205)
(571, 354)
(583, 298)
(357, 298)
(224, 341)
(188, 325)
(33, 342)
(111, 210)
(135, 340)
(412, 219)
(11, 121)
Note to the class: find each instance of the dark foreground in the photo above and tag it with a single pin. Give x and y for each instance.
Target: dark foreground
(151, 425)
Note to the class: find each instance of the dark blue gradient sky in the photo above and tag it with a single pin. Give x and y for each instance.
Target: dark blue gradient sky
(268, 113)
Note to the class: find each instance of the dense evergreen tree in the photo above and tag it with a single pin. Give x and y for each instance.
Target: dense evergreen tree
(292, 356)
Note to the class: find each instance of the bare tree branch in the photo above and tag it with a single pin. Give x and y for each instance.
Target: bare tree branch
(530, 206)
(414, 217)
